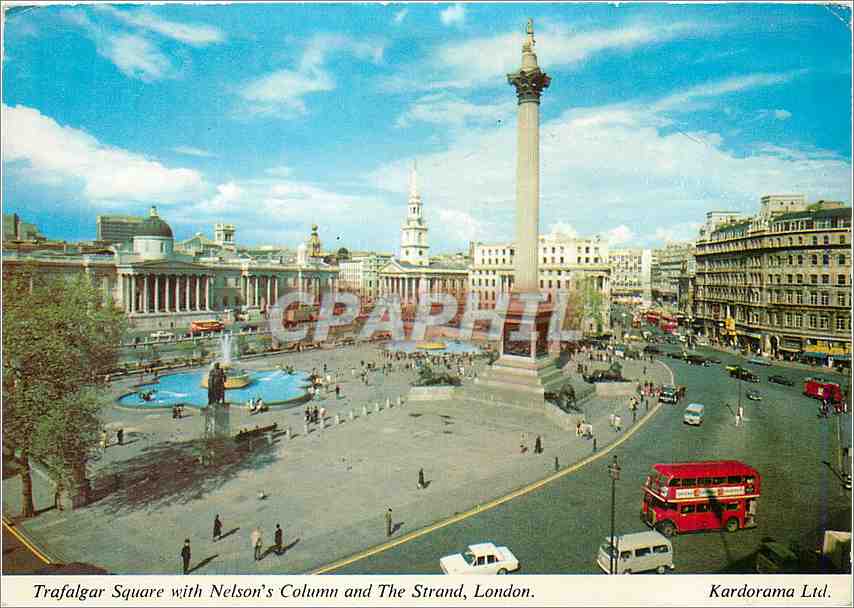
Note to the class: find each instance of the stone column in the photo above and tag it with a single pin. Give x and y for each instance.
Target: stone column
(145, 278)
(529, 82)
(255, 288)
(207, 292)
(167, 301)
(157, 293)
(276, 288)
(198, 292)
(269, 290)
(177, 293)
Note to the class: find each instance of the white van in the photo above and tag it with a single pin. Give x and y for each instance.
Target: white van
(694, 414)
(638, 552)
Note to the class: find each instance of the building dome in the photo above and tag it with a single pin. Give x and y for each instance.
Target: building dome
(154, 226)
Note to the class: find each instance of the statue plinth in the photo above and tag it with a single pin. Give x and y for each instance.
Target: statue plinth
(524, 371)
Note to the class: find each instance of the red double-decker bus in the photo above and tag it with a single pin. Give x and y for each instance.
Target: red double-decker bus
(691, 496)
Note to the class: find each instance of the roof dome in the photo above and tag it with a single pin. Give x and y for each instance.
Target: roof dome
(154, 226)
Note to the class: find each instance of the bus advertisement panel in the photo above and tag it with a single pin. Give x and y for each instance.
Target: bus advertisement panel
(691, 496)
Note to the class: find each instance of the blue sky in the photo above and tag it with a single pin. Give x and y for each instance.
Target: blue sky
(275, 117)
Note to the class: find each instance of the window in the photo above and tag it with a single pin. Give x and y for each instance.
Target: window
(703, 508)
(841, 260)
(840, 299)
(491, 559)
(800, 279)
(825, 259)
(799, 320)
(815, 240)
(734, 479)
(826, 240)
(687, 509)
(814, 260)
(481, 560)
(841, 239)
(825, 279)
(704, 481)
(625, 554)
(800, 260)
(689, 481)
(823, 322)
(661, 549)
(840, 323)
(814, 279)
(812, 321)
(643, 552)
(731, 506)
(718, 480)
(813, 298)
(840, 279)
(825, 298)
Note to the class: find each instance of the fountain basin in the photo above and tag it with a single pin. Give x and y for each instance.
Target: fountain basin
(438, 348)
(234, 378)
(275, 387)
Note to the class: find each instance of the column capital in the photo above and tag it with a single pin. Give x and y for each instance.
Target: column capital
(529, 84)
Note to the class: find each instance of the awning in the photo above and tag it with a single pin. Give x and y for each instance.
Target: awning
(841, 357)
(789, 350)
(815, 355)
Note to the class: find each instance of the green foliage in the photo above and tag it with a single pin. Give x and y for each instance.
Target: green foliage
(59, 340)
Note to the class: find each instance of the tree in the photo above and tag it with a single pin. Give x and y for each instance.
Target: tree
(59, 341)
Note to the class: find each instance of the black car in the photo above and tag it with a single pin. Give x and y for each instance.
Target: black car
(743, 374)
(713, 360)
(676, 355)
(697, 360)
(652, 350)
(781, 380)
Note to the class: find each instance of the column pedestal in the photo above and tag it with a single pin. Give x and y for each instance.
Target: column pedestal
(525, 371)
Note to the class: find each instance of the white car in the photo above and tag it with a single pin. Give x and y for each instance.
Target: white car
(483, 558)
(162, 335)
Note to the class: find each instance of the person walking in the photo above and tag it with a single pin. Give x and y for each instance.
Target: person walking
(337, 391)
(256, 539)
(217, 528)
(186, 554)
(421, 484)
(739, 415)
(388, 522)
(120, 436)
(277, 540)
(105, 439)
(538, 445)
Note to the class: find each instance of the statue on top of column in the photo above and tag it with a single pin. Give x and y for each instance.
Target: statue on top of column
(529, 42)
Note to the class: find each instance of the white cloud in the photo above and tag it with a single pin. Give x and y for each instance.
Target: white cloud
(281, 92)
(615, 168)
(453, 15)
(619, 235)
(778, 114)
(484, 61)
(462, 226)
(60, 154)
(400, 15)
(449, 110)
(280, 171)
(191, 151)
(189, 33)
(561, 229)
(717, 88)
(134, 54)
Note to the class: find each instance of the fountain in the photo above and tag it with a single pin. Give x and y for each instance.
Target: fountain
(234, 376)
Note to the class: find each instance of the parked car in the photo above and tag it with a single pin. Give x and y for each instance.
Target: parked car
(754, 395)
(652, 350)
(760, 361)
(781, 380)
(162, 335)
(713, 360)
(482, 558)
(776, 558)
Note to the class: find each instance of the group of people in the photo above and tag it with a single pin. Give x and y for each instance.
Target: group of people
(105, 438)
(313, 415)
(256, 539)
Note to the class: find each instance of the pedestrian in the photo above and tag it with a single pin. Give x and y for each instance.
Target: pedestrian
(277, 539)
(256, 539)
(421, 484)
(337, 391)
(120, 436)
(217, 528)
(105, 440)
(321, 415)
(739, 415)
(185, 555)
(388, 521)
(618, 423)
(538, 445)
(57, 497)
(315, 415)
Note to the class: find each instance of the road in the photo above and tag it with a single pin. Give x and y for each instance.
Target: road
(18, 558)
(558, 529)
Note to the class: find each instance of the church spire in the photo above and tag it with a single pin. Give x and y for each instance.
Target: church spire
(413, 180)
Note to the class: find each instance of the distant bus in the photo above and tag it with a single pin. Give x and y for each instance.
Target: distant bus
(207, 326)
(692, 496)
(822, 389)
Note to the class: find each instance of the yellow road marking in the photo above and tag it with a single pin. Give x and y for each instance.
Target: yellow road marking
(25, 541)
(491, 504)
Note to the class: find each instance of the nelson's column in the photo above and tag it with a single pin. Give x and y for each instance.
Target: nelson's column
(525, 371)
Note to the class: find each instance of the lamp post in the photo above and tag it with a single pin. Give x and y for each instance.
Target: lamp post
(614, 472)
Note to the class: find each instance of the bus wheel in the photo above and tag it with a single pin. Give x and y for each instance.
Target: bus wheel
(661, 569)
(731, 524)
(667, 528)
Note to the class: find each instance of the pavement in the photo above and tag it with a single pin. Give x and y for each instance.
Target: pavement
(328, 489)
